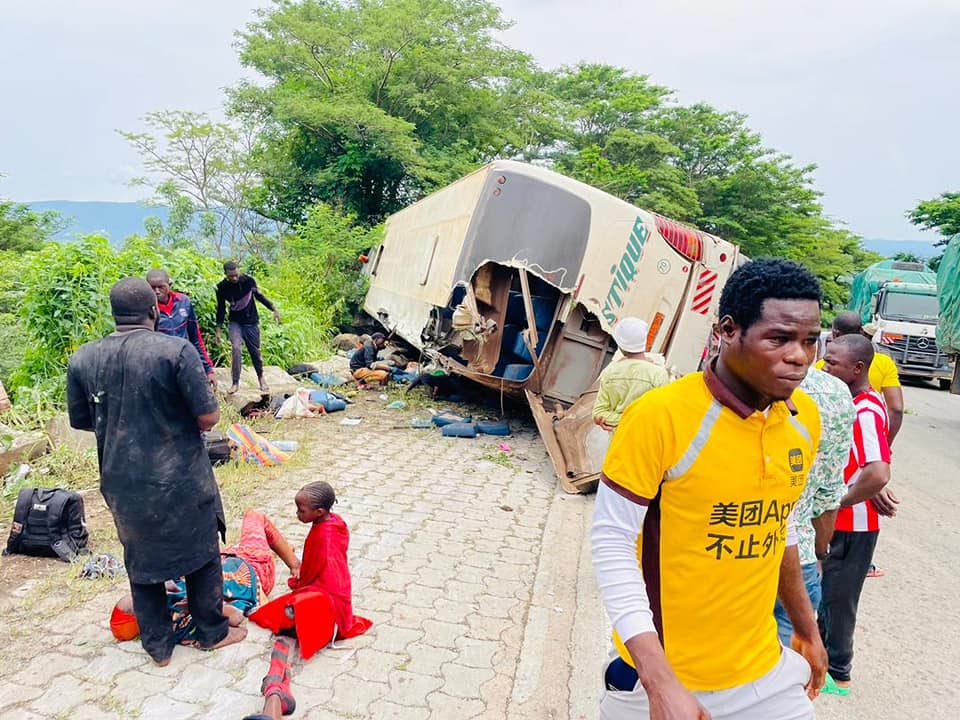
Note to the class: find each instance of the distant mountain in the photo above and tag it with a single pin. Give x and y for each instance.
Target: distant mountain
(119, 220)
(116, 220)
(889, 248)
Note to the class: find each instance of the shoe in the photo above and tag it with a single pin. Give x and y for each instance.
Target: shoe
(281, 688)
(835, 687)
(232, 389)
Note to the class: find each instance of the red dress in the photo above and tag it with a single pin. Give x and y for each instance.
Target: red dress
(322, 596)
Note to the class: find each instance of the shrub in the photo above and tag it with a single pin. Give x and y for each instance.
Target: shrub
(65, 303)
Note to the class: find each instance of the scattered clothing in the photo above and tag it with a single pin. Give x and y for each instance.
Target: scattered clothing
(254, 448)
(100, 566)
(368, 376)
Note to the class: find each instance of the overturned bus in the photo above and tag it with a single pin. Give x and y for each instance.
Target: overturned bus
(514, 277)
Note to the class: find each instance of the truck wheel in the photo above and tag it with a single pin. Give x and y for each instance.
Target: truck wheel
(944, 383)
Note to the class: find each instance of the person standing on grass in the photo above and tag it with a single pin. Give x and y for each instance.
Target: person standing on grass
(692, 541)
(241, 293)
(145, 396)
(178, 319)
(866, 475)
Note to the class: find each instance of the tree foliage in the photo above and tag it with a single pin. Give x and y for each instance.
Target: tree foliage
(941, 214)
(24, 229)
(371, 103)
(66, 303)
(201, 171)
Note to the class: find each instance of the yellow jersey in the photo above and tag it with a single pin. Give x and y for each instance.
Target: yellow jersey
(883, 372)
(719, 480)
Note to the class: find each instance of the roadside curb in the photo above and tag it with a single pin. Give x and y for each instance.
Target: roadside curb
(564, 639)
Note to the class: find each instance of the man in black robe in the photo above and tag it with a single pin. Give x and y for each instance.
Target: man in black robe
(147, 399)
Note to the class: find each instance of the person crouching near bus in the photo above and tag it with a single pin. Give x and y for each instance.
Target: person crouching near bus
(364, 361)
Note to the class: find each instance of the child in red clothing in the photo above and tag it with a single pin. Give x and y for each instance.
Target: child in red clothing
(320, 607)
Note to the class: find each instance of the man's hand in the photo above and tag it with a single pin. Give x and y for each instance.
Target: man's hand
(212, 379)
(602, 424)
(276, 316)
(676, 703)
(885, 503)
(816, 656)
(669, 699)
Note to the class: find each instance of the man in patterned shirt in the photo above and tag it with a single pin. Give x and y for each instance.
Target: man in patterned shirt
(858, 523)
(816, 511)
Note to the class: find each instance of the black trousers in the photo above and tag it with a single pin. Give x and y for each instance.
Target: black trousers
(241, 335)
(844, 571)
(204, 598)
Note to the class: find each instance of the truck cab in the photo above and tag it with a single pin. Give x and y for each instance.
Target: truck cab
(903, 310)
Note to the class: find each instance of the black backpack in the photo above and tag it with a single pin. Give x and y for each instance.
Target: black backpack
(218, 449)
(49, 523)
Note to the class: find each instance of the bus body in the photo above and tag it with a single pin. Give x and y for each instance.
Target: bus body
(515, 276)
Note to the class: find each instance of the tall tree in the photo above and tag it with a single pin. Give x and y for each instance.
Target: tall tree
(200, 170)
(942, 214)
(371, 103)
(608, 140)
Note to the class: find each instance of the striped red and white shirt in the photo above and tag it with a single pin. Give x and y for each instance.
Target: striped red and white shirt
(869, 445)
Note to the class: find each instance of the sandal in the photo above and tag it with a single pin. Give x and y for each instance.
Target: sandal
(874, 571)
(830, 687)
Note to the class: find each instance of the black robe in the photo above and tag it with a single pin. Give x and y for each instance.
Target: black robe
(141, 393)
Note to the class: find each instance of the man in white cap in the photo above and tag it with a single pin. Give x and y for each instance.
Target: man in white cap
(624, 381)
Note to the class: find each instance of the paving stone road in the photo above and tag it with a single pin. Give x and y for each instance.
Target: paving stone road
(446, 542)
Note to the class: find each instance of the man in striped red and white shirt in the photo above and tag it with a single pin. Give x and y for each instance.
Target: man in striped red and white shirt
(858, 523)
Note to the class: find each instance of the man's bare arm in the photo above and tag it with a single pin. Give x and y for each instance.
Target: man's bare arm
(823, 527)
(873, 478)
(209, 420)
(806, 636)
(893, 397)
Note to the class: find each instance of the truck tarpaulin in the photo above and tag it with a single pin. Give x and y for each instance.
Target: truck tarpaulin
(948, 288)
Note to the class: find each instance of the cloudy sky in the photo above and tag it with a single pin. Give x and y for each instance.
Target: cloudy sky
(866, 89)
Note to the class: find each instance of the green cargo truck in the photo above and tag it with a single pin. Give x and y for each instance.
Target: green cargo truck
(898, 302)
(948, 328)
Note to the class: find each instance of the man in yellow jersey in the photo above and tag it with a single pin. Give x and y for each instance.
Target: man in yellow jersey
(690, 533)
(883, 374)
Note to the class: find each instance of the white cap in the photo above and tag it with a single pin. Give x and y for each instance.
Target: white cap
(630, 334)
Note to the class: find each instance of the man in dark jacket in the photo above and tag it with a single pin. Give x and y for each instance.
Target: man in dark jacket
(147, 399)
(240, 291)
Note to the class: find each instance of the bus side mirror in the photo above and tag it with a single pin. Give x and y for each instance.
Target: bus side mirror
(874, 301)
